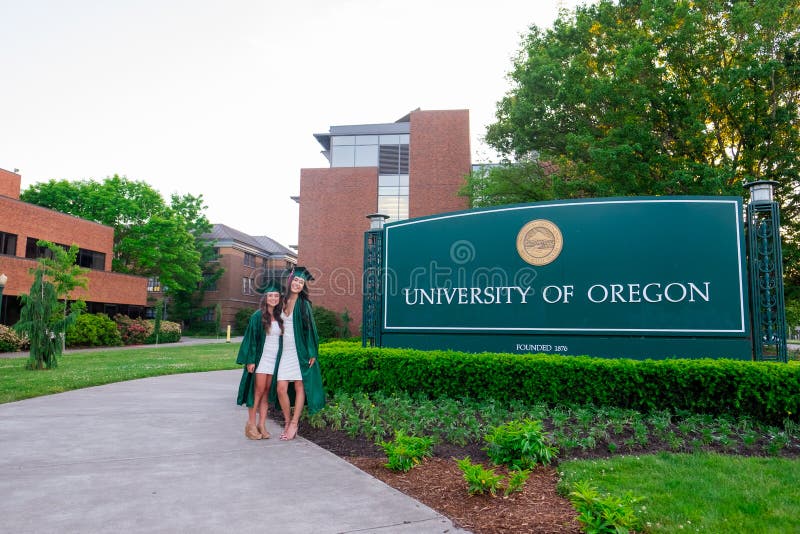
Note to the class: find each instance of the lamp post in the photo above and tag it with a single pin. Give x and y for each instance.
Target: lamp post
(372, 281)
(766, 272)
(3, 280)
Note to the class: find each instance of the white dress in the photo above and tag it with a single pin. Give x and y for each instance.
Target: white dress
(270, 353)
(289, 368)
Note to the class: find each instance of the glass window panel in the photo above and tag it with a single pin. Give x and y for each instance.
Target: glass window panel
(403, 179)
(343, 140)
(387, 204)
(388, 179)
(402, 207)
(342, 156)
(366, 156)
(390, 139)
(385, 191)
(366, 139)
(402, 191)
(404, 139)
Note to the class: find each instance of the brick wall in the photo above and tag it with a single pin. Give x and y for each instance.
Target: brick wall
(10, 183)
(334, 204)
(440, 158)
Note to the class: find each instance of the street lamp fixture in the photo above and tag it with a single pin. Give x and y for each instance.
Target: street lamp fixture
(376, 221)
(761, 190)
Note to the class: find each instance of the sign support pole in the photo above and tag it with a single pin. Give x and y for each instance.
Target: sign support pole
(766, 273)
(373, 282)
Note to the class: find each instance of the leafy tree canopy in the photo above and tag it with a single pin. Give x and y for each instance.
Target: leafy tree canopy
(654, 97)
(151, 237)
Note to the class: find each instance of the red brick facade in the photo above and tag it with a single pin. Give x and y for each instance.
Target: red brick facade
(440, 159)
(29, 221)
(334, 203)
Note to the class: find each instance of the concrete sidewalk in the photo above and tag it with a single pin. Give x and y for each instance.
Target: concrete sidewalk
(168, 454)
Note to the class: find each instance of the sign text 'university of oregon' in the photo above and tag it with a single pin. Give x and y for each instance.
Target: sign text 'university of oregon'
(634, 277)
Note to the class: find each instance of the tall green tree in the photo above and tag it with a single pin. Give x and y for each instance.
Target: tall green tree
(43, 320)
(656, 97)
(151, 238)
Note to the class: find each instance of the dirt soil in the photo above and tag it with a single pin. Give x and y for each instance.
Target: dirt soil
(439, 483)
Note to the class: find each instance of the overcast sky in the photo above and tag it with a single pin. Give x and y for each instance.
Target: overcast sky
(222, 97)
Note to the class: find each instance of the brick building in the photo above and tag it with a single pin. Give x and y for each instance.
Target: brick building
(23, 224)
(247, 261)
(409, 168)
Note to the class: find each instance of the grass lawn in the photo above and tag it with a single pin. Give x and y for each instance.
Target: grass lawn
(699, 492)
(92, 368)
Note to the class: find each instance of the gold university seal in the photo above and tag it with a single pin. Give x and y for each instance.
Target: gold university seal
(539, 242)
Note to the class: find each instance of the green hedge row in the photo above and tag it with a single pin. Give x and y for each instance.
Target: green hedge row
(768, 392)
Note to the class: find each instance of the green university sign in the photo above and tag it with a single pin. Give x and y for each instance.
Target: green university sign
(632, 277)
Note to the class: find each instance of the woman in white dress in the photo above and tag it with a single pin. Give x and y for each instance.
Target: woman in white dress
(298, 368)
(260, 349)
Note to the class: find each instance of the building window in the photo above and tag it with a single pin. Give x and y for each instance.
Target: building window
(393, 196)
(153, 285)
(91, 259)
(210, 286)
(249, 259)
(8, 244)
(247, 286)
(208, 316)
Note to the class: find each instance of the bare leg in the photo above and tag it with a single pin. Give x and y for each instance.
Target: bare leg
(299, 403)
(261, 397)
(283, 399)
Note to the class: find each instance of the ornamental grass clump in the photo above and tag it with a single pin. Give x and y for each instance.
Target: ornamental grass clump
(519, 445)
(601, 514)
(406, 451)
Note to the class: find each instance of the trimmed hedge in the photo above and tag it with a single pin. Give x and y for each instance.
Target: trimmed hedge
(768, 392)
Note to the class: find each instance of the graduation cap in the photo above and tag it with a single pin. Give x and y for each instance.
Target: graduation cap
(302, 272)
(271, 286)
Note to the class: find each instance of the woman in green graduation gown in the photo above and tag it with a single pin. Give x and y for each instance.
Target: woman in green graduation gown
(258, 353)
(297, 374)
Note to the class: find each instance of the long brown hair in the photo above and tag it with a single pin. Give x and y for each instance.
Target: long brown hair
(276, 313)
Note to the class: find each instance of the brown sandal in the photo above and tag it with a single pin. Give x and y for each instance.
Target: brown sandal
(263, 432)
(251, 432)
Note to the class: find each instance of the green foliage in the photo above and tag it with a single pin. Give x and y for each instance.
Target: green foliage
(327, 322)
(132, 331)
(406, 451)
(792, 316)
(516, 481)
(601, 514)
(764, 391)
(479, 479)
(519, 445)
(241, 319)
(9, 340)
(345, 320)
(90, 330)
(654, 98)
(159, 316)
(151, 238)
(170, 332)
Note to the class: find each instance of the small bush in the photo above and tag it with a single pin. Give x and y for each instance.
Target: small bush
(93, 330)
(241, 319)
(170, 332)
(132, 331)
(327, 321)
(519, 445)
(406, 451)
(479, 479)
(602, 514)
(10, 341)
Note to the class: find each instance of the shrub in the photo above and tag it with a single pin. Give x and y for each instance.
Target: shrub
(603, 513)
(170, 332)
(766, 391)
(479, 479)
(241, 319)
(519, 445)
(327, 322)
(10, 341)
(93, 330)
(132, 331)
(406, 451)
